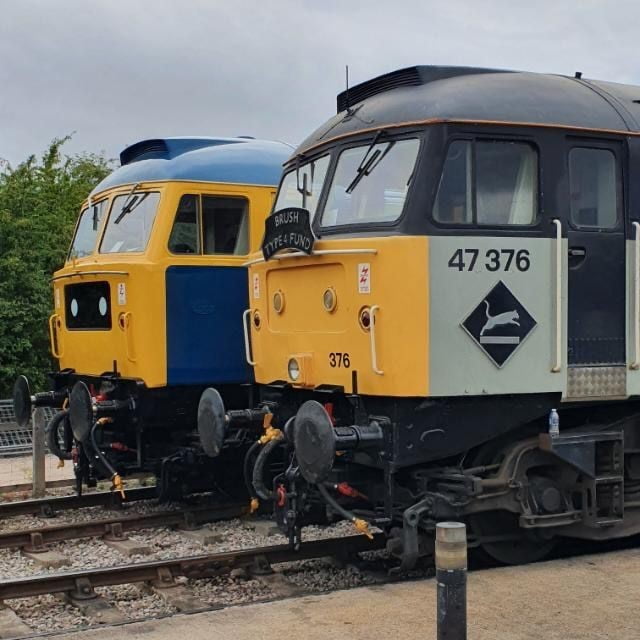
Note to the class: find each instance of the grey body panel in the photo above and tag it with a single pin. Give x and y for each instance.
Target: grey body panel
(458, 364)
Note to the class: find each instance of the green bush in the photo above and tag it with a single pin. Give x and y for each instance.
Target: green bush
(39, 204)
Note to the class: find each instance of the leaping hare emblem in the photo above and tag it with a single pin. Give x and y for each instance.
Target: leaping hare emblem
(502, 319)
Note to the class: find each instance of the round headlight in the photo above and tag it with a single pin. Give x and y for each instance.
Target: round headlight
(278, 301)
(294, 369)
(329, 299)
(256, 319)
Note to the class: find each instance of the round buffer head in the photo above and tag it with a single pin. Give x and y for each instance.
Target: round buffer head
(212, 424)
(80, 411)
(22, 401)
(315, 442)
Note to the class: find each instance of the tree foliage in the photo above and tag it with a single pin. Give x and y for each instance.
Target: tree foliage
(39, 204)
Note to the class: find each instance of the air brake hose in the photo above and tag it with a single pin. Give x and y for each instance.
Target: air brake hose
(361, 525)
(51, 435)
(248, 479)
(99, 453)
(258, 469)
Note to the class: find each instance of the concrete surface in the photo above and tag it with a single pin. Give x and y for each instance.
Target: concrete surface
(588, 598)
(19, 469)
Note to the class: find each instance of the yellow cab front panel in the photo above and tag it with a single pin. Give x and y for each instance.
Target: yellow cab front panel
(319, 311)
(138, 299)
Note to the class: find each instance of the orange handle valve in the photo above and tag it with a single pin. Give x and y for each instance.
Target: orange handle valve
(118, 485)
(54, 339)
(362, 526)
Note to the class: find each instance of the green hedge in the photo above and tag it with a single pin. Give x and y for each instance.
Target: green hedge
(39, 204)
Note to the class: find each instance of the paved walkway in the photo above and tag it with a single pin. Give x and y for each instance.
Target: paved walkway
(588, 598)
(18, 470)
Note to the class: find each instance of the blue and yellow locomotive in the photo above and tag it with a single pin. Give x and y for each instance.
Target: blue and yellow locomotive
(148, 307)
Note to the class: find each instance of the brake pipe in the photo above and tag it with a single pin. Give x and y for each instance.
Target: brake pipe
(362, 526)
(116, 480)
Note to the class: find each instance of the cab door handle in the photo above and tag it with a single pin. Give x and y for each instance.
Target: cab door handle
(577, 252)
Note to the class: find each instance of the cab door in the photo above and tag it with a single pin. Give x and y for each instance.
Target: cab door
(596, 327)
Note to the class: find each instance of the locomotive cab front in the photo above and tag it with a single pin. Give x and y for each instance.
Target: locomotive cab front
(147, 308)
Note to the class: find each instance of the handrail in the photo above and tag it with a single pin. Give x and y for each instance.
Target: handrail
(124, 325)
(558, 365)
(636, 296)
(90, 273)
(54, 337)
(319, 252)
(372, 336)
(247, 345)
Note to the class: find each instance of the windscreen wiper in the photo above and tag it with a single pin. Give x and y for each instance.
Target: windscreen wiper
(130, 203)
(369, 162)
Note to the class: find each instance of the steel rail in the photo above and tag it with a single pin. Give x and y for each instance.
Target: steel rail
(48, 506)
(201, 566)
(116, 528)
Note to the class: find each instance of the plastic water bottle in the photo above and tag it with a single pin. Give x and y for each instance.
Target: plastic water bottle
(554, 423)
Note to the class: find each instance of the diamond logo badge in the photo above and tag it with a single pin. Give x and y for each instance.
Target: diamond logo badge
(499, 324)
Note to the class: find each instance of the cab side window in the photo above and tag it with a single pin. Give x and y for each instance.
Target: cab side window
(593, 190)
(210, 225)
(225, 225)
(488, 183)
(185, 234)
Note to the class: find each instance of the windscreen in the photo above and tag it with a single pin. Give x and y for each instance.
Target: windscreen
(370, 183)
(130, 222)
(302, 187)
(84, 241)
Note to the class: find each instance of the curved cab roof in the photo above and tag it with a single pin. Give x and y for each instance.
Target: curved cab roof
(227, 160)
(430, 93)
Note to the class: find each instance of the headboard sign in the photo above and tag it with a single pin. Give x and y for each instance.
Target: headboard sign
(288, 228)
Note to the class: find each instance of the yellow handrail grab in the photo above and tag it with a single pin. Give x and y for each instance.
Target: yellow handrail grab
(125, 323)
(57, 353)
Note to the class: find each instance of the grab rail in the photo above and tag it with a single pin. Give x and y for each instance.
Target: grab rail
(372, 336)
(247, 338)
(54, 337)
(636, 296)
(125, 323)
(317, 252)
(100, 272)
(558, 365)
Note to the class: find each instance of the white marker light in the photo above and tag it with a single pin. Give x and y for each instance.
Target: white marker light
(294, 369)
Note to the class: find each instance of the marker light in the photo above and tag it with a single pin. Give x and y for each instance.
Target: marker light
(294, 369)
(329, 299)
(365, 318)
(278, 301)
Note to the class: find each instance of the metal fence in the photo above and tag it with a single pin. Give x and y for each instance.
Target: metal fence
(15, 440)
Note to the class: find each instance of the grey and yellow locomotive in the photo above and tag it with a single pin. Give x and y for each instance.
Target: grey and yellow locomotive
(445, 320)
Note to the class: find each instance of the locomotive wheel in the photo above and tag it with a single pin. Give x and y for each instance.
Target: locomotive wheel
(523, 546)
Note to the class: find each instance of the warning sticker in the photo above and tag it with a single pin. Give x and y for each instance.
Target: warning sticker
(364, 277)
(256, 286)
(122, 293)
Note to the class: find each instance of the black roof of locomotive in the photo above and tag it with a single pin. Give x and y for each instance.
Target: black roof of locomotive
(423, 93)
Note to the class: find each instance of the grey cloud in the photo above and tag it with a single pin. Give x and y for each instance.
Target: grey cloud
(116, 72)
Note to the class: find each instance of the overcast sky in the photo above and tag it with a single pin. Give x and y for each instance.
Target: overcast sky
(118, 71)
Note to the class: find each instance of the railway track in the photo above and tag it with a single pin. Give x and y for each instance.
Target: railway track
(203, 566)
(48, 506)
(169, 578)
(36, 539)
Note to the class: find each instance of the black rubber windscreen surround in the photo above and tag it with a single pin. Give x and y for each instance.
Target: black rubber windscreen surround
(88, 305)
